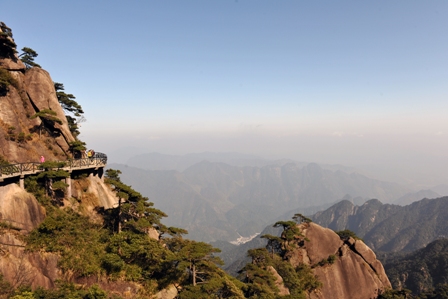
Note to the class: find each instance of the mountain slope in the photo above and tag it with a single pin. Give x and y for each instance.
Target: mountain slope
(219, 201)
(390, 228)
(421, 270)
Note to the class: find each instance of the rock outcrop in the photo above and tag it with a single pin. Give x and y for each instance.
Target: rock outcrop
(25, 93)
(19, 213)
(29, 91)
(354, 272)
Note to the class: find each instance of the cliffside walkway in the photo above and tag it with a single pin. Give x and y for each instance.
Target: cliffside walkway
(21, 170)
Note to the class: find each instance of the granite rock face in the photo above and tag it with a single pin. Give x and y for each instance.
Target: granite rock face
(31, 91)
(22, 212)
(22, 139)
(355, 272)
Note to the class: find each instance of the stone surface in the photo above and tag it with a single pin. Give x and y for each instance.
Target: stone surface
(169, 293)
(40, 89)
(22, 211)
(16, 110)
(283, 291)
(356, 273)
(19, 208)
(106, 197)
(323, 242)
(12, 64)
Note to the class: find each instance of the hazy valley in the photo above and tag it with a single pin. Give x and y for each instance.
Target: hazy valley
(224, 196)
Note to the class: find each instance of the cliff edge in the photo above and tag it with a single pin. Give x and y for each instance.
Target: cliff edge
(346, 268)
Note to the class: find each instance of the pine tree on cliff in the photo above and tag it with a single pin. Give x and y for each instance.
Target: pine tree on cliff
(68, 103)
(52, 171)
(134, 212)
(48, 118)
(28, 56)
(7, 44)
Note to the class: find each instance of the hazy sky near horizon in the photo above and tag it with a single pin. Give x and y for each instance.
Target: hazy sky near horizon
(358, 83)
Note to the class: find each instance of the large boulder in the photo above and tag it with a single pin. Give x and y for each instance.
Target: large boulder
(20, 213)
(19, 208)
(354, 273)
(18, 106)
(40, 89)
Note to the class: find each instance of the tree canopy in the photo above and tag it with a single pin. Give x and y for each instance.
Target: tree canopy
(7, 44)
(74, 109)
(28, 56)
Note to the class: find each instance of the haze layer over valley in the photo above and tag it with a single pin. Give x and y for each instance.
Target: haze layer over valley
(225, 196)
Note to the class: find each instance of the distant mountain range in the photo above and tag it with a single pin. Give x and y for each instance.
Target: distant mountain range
(219, 201)
(390, 228)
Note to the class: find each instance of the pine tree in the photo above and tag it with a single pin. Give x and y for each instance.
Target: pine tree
(28, 56)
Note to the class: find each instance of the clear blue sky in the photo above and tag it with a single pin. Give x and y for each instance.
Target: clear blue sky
(359, 83)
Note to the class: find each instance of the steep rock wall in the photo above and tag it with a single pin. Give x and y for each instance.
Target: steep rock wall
(32, 91)
(355, 273)
(22, 212)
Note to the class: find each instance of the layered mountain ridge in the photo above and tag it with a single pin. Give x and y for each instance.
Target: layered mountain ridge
(390, 228)
(218, 201)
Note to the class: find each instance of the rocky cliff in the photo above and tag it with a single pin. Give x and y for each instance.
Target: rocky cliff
(347, 269)
(25, 92)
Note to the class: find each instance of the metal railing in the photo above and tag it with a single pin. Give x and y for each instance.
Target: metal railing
(12, 170)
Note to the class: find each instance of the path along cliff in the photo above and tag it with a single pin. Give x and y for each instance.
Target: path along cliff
(24, 92)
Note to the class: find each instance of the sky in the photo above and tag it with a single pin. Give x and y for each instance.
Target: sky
(358, 83)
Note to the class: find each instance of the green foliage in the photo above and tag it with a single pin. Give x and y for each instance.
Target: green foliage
(59, 185)
(3, 161)
(7, 44)
(274, 245)
(291, 235)
(11, 133)
(130, 254)
(67, 233)
(48, 116)
(346, 234)
(5, 287)
(64, 290)
(261, 283)
(395, 294)
(67, 100)
(422, 270)
(329, 260)
(69, 104)
(6, 79)
(141, 257)
(52, 172)
(28, 56)
(21, 137)
(440, 292)
(219, 286)
(32, 185)
(134, 212)
(24, 295)
(76, 147)
(299, 218)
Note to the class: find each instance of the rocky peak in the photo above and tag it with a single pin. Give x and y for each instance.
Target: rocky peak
(24, 93)
(8, 51)
(347, 269)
